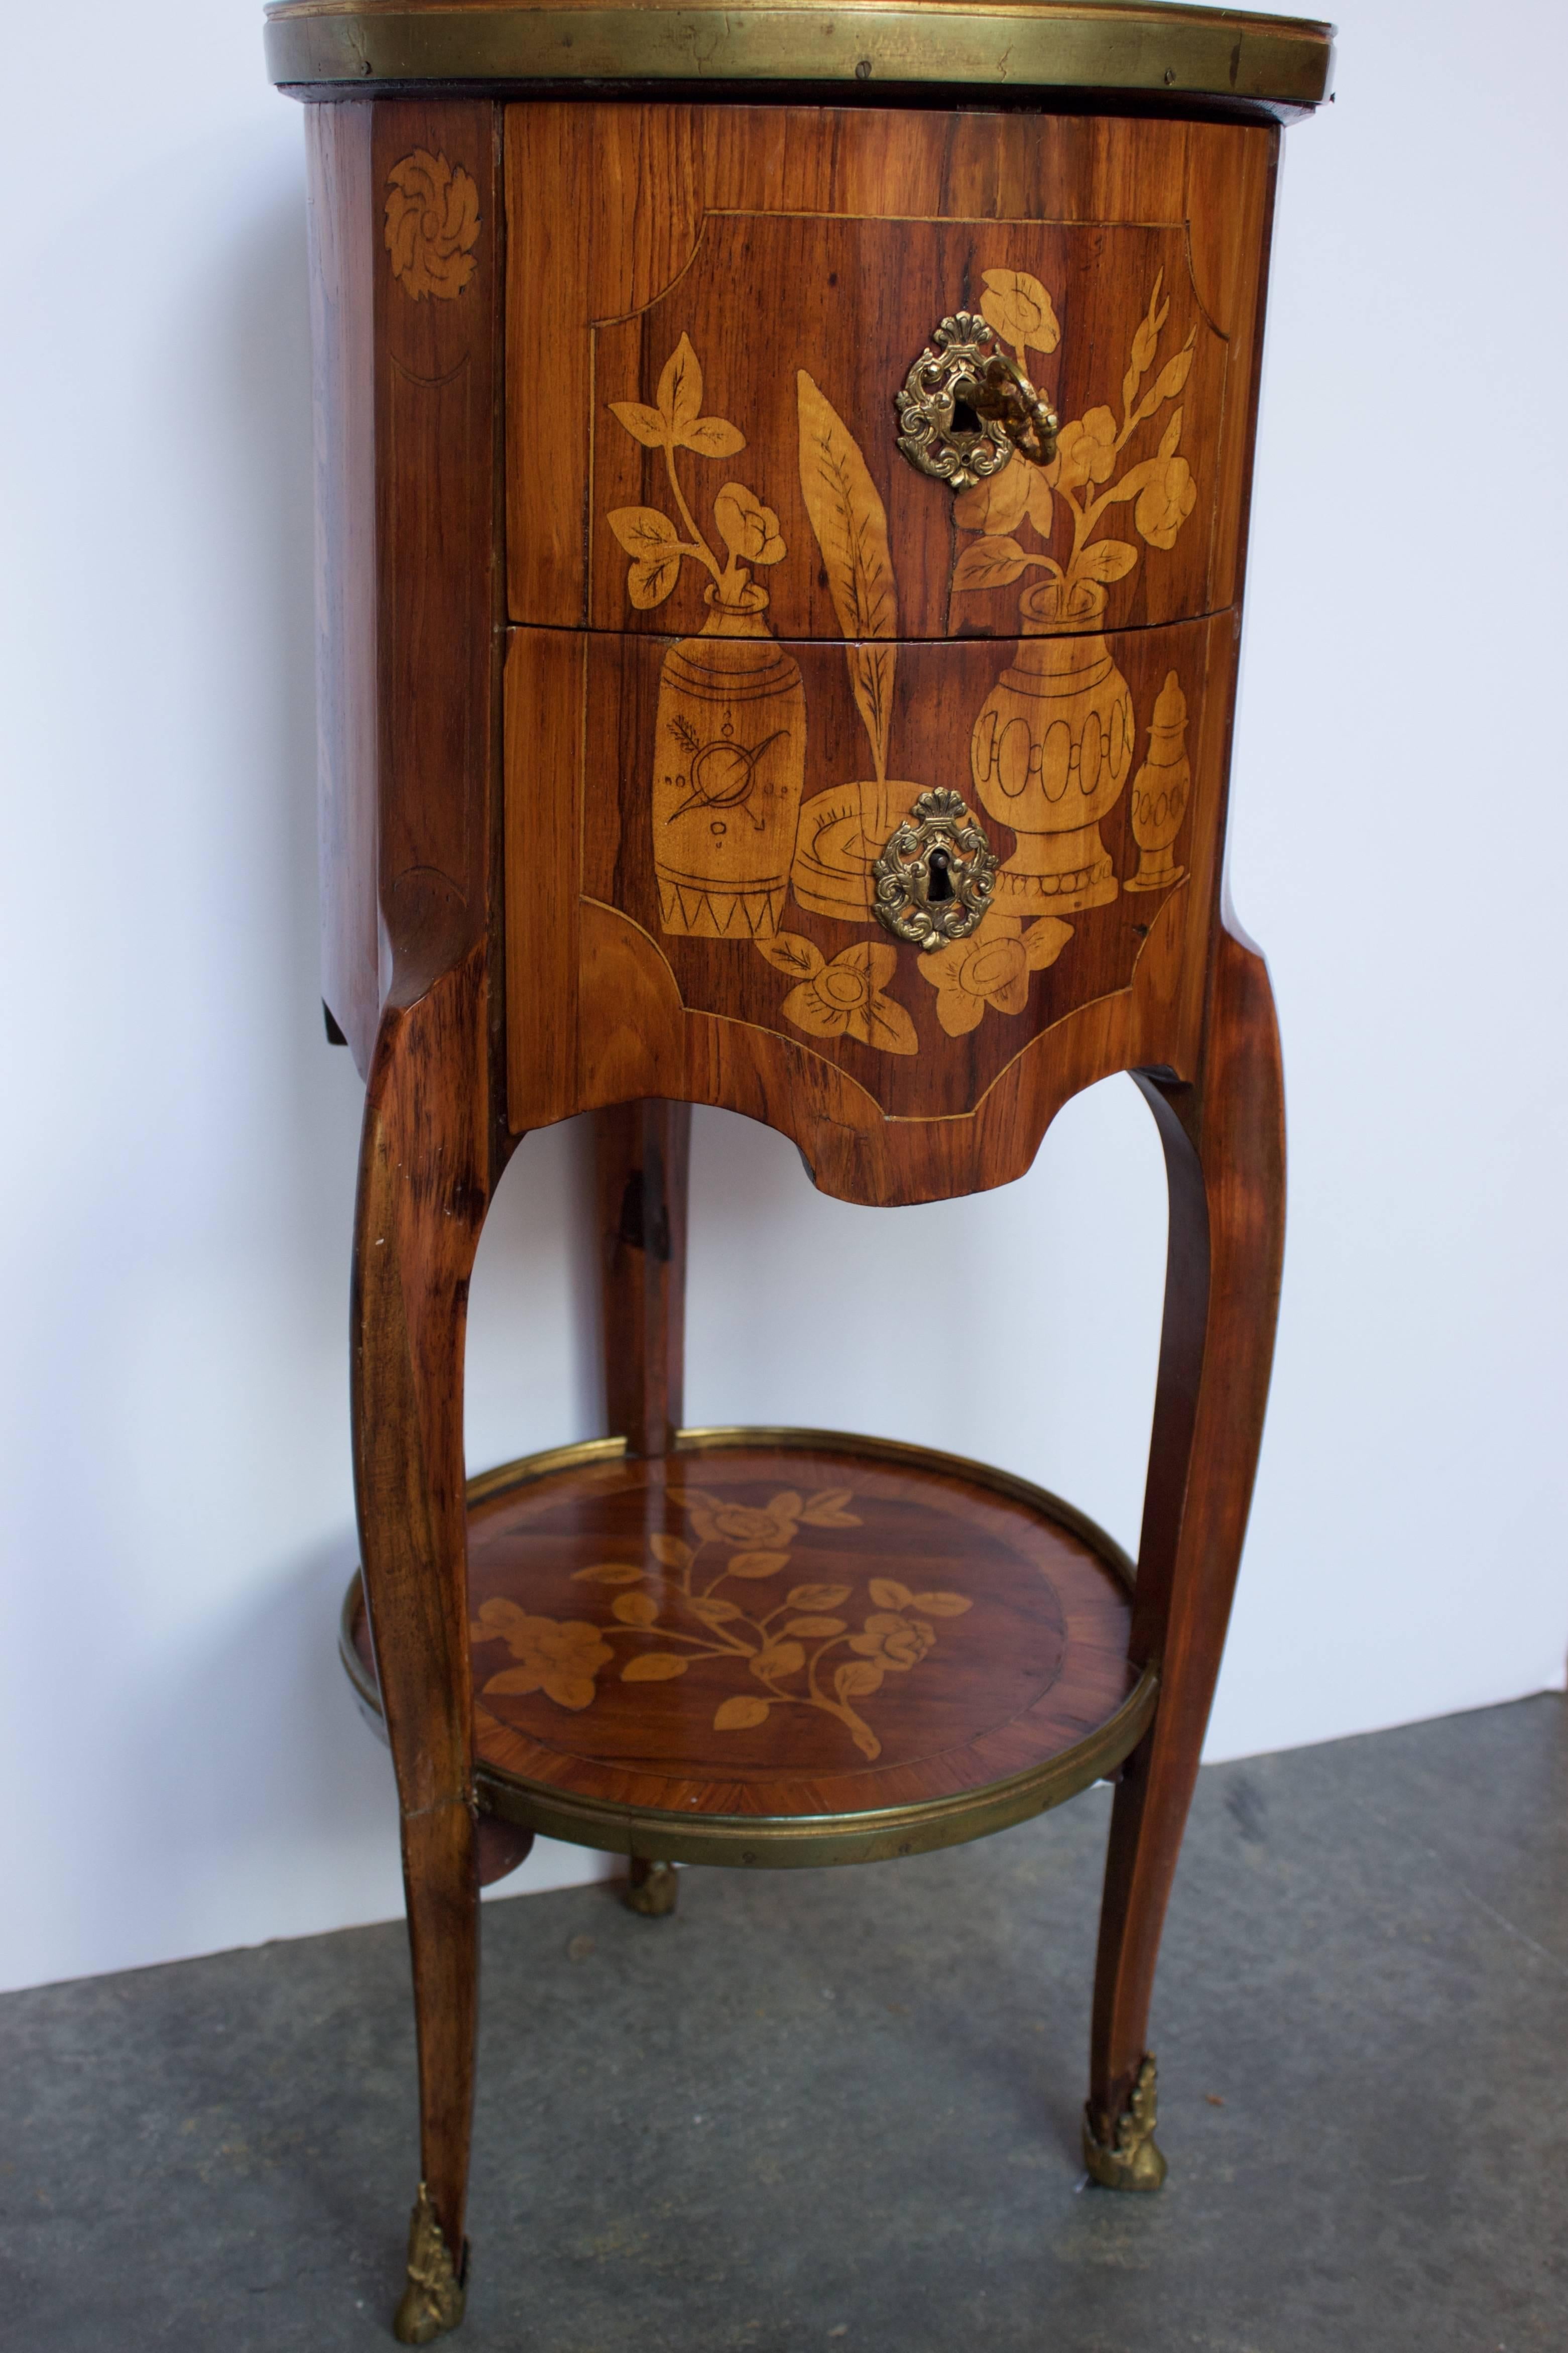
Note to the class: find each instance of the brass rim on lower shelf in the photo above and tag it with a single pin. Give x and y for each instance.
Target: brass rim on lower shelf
(780, 1842)
(1089, 45)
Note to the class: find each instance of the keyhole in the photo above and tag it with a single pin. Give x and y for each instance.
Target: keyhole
(940, 885)
(964, 418)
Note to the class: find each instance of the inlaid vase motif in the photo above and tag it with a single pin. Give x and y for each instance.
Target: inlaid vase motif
(1052, 747)
(729, 766)
(1161, 791)
(1050, 752)
(730, 743)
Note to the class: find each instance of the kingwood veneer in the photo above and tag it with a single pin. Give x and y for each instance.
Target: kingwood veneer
(669, 701)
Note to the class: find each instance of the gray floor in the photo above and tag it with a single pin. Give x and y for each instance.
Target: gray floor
(839, 2109)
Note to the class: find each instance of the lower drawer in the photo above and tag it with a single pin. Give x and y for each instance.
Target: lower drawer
(690, 826)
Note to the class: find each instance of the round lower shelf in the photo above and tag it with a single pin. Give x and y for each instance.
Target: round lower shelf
(784, 1646)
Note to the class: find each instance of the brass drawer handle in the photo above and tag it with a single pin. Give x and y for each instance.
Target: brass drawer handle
(966, 407)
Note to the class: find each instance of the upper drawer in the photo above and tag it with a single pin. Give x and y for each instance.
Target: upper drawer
(711, 312)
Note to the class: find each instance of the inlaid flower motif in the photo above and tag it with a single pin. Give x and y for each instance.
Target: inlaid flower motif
(771, 1523)
(846, 998)
(893, 1641)
(1020, 308)
(748, 529)
(992, 966)
(1166, 502)
(1086, 450)
(745, 1612)
(559, 1657)
(432, 225)
(1096, 470)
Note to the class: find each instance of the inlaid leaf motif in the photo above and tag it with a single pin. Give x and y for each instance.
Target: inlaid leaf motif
(680, 389)
(779, 1659)
(651, 578)
(643, 530)
(847, 517)
(825, 1509)
(1171, 436)
(651, 541)
(642, 423)
(1172, 378)
(988, 564)
(814, 1629)
(757, 1564)
(1020, 309)
(942, 1605)
(858, 1680)
(888, 1026)
(818, 1597)
(635, 1608)
(1108, 559)
(871, 670)
(607, 1572)
(715, 436)
(672, 1551)
(653, 1667)
(888, 1594)
(850, 524)
(740, 1715)
(714, 1610)
(802, 959)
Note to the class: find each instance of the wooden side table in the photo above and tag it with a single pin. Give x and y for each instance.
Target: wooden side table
(782, 485)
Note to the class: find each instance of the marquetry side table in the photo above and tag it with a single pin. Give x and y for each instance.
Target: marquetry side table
(783, 481)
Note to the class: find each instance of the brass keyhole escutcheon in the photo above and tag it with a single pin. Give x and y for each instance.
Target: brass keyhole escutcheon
(933, 881)
(966, 409)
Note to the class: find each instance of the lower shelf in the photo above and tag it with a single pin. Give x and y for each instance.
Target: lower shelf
(784, 1646)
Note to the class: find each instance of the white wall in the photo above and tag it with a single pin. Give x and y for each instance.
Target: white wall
(183, 1768)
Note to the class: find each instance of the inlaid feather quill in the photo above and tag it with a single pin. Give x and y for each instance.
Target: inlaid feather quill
(851, 527)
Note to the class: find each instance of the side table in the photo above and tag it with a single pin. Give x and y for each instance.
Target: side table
(783, 477)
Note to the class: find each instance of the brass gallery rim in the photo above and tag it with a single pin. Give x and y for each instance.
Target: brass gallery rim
(1090, 45)
(784, 1842)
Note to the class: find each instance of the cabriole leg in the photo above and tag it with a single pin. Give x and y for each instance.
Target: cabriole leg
(1224, 1157)
(422, 1197)
(642, 1156)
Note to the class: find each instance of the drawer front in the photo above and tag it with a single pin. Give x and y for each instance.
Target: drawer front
(690, 827)
(704, 364)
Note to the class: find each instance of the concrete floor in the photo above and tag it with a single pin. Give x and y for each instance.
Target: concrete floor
(839, 2109)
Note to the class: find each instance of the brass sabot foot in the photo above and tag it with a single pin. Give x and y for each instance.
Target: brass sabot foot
(433, 2300)
(652, 1888)
(1130, 2159)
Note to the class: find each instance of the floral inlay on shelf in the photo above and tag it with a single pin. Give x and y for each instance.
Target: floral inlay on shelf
(672, 1613)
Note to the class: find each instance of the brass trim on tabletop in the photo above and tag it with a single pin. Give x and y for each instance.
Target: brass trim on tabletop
(1178, 52)
(874, 1835)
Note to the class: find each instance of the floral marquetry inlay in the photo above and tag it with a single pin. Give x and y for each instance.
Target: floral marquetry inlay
(432, 225)
(733, 1591)
(825, 675)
